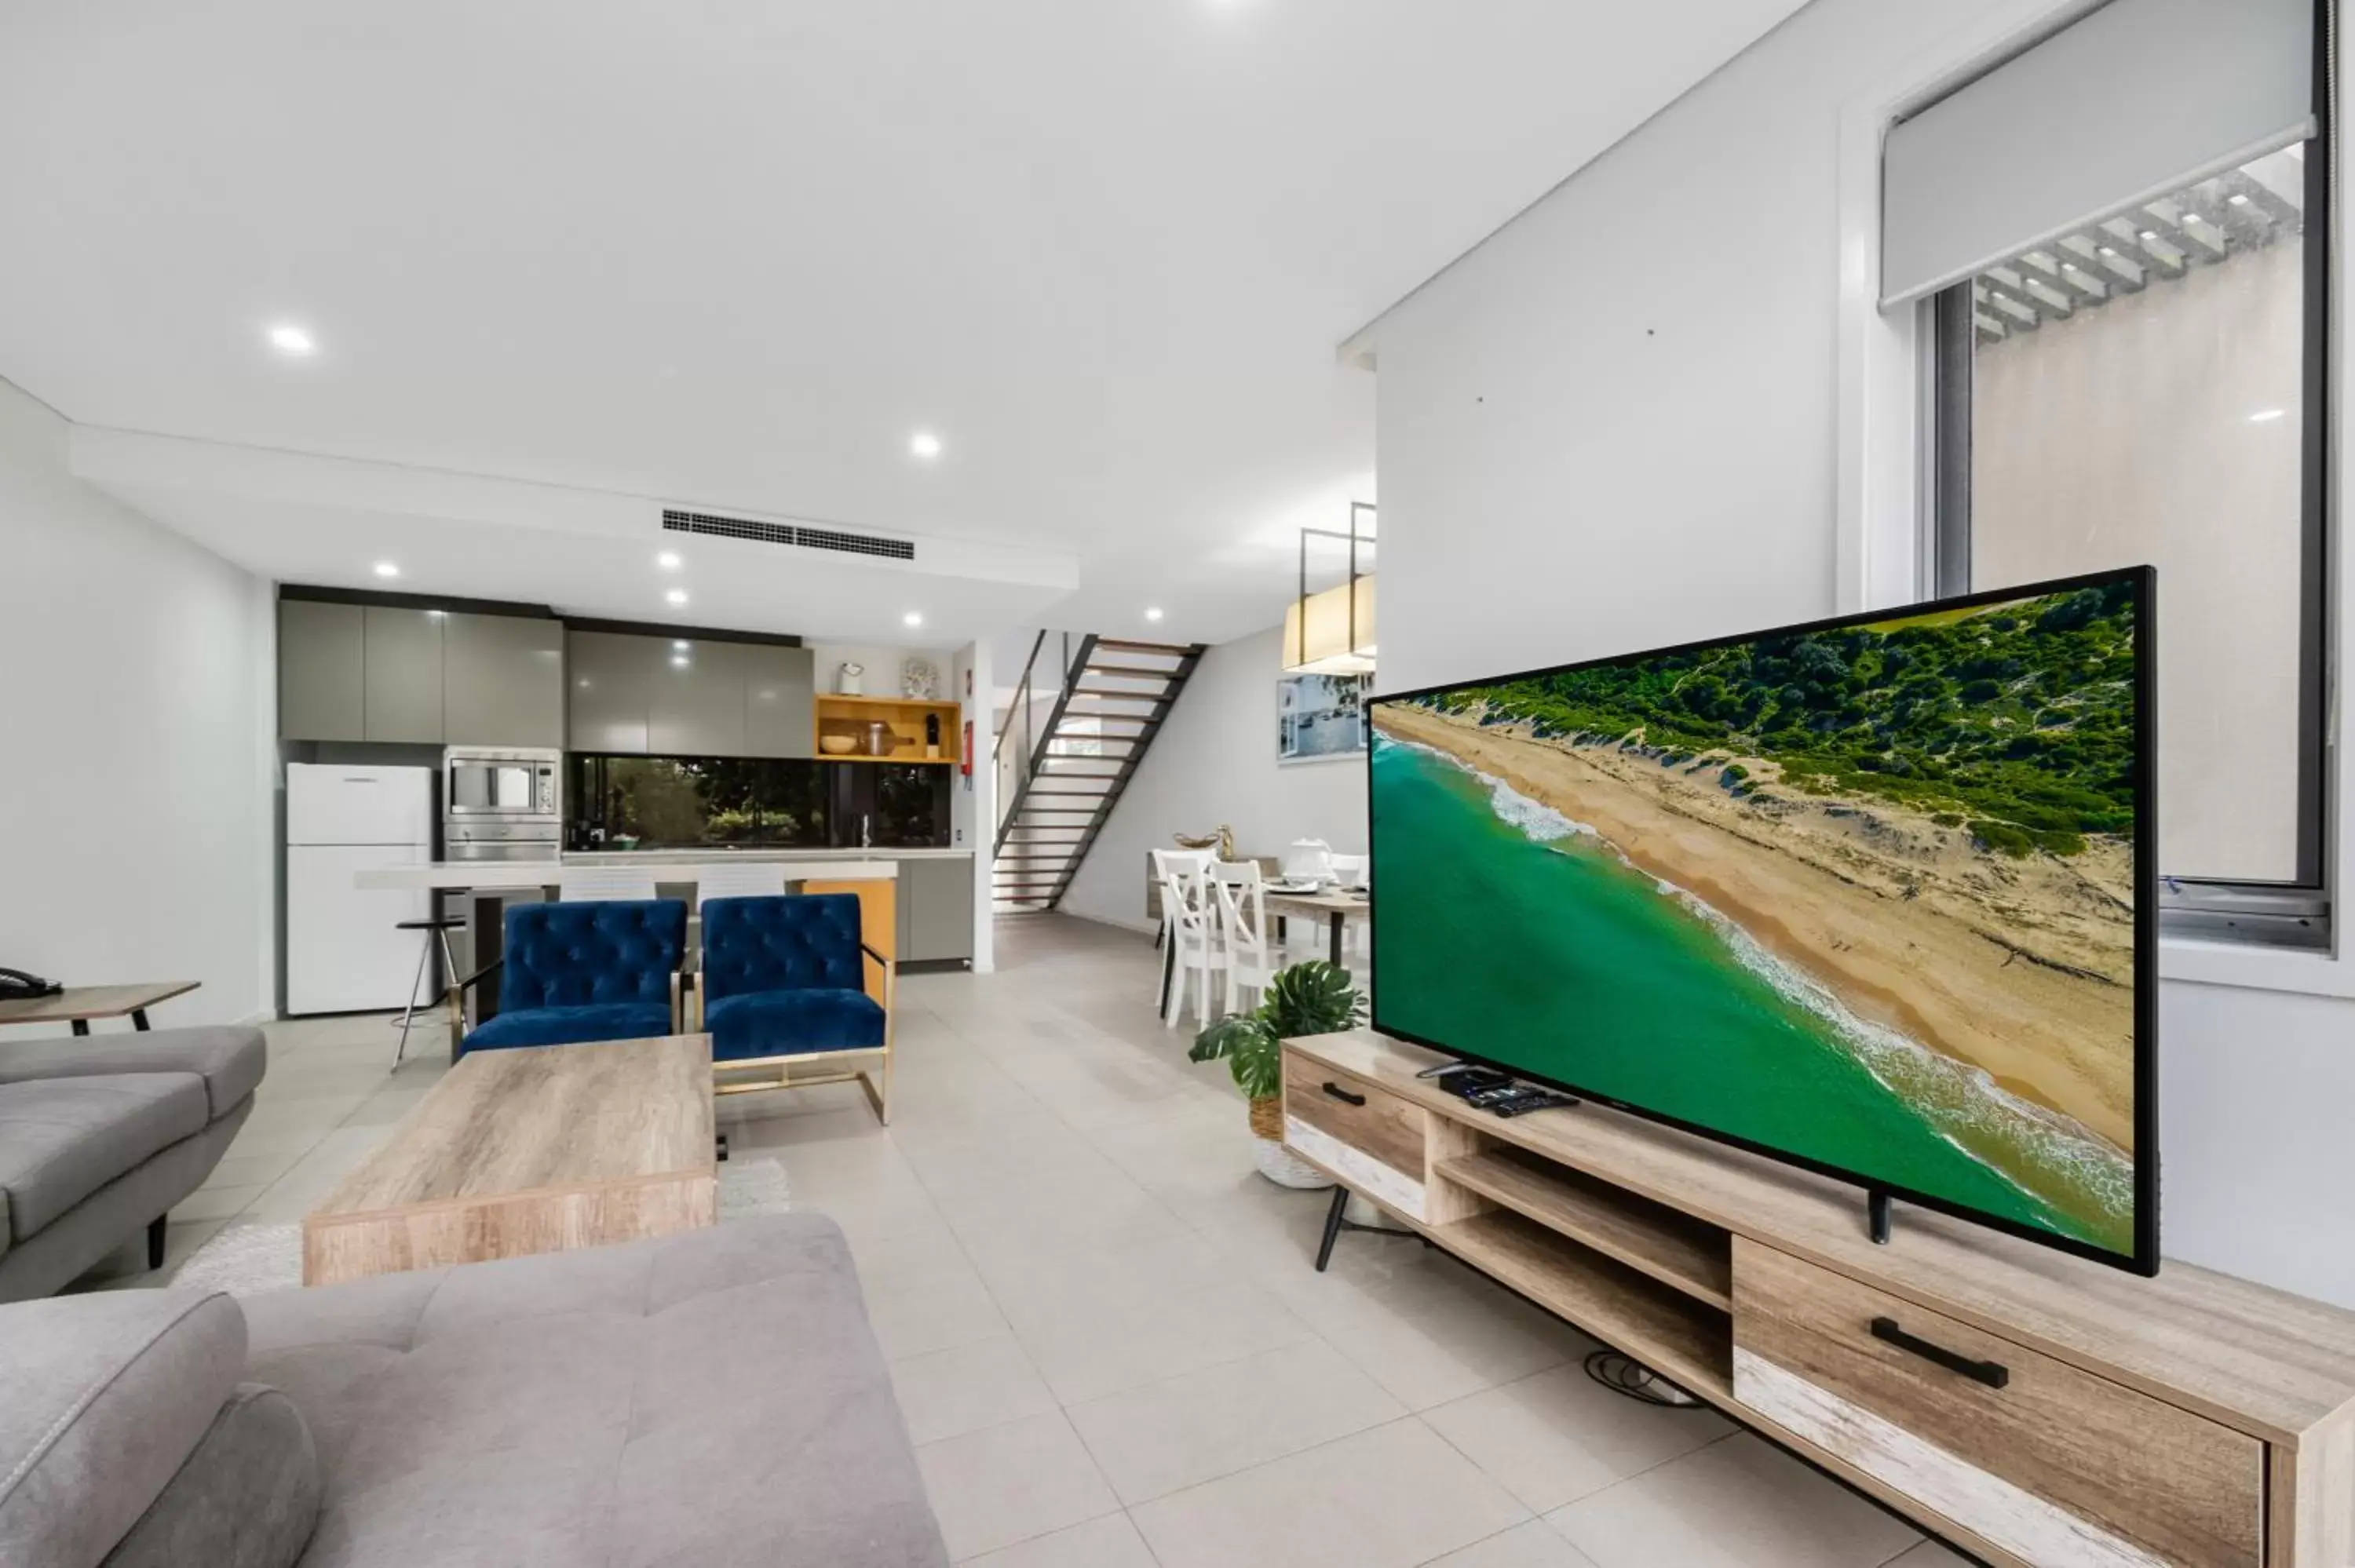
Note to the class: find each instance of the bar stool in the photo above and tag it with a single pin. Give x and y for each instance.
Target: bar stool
(438, 928)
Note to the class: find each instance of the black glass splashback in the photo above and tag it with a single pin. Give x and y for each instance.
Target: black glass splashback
(669, 802)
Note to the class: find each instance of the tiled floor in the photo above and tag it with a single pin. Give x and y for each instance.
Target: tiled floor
(1106, 1335)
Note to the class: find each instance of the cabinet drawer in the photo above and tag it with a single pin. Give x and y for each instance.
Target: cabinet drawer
(1358, 1130)
(2052, 1463)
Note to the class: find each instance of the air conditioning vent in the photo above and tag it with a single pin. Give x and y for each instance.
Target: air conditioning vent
(834, 539)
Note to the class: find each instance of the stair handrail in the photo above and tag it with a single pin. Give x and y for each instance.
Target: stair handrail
(1026, 699)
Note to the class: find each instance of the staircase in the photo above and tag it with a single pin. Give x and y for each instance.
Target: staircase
(1059, 774)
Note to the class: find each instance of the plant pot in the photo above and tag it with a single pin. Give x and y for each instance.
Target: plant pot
(1274, 1161)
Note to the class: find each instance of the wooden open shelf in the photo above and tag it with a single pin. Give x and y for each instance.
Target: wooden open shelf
(1680, 1252)
(1686, 1340)
(838, 715)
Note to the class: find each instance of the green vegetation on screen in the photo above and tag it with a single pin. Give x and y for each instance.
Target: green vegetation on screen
(2016, 719)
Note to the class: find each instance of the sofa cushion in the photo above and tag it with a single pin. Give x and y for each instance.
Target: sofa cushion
(808, 941)
(63, 1138)
(714, 1397)
(108, 1394)
(780, 1022)
(573, 1026)
(230, 1058)
(246, 1498)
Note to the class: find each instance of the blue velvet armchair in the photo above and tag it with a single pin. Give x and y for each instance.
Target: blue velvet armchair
(573, 973)
(784, 988)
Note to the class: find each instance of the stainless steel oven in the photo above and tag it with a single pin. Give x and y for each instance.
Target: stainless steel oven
(482, 785)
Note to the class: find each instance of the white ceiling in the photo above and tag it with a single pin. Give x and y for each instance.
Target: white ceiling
(735, 253)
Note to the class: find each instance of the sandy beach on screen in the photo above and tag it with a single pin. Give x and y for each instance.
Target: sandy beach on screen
(2023, 968)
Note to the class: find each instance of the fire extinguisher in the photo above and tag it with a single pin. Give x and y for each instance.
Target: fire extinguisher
(965, 763)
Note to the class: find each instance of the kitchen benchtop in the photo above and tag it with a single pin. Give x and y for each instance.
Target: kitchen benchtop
(498, 875)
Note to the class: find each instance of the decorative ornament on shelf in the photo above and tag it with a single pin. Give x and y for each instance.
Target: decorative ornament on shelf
(920, 678)
(1222, 840)
(850, 680)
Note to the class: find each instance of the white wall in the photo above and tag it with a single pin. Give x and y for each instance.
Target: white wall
(882, 662)
(1214, 761)
(135, 760)
(1613, 426)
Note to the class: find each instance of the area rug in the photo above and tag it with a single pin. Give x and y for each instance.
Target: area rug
(250, 1260)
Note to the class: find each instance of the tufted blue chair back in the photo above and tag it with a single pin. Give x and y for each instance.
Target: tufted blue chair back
(809, 942)
(575, 955)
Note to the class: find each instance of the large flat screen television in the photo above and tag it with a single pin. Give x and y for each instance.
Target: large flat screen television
(1874, 895)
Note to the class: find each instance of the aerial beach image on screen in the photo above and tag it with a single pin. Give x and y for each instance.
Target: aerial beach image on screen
(1865, 896)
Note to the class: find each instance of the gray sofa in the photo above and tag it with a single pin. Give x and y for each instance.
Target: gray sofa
(710, 1398)
(101, 1135)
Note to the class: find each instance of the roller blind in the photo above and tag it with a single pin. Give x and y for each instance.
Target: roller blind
(2138, 99)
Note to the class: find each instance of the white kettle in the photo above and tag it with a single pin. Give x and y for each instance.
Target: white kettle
(1308, 860)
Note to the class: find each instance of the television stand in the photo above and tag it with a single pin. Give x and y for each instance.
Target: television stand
(1876, 1216)
(2036, 1409)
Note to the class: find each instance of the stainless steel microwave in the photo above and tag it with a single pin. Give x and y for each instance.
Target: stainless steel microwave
(479, 784)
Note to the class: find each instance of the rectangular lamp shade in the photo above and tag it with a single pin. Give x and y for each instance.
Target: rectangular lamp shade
(1316, 633)
(2140, 98)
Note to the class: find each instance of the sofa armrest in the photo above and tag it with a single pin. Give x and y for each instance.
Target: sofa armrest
(108, 1395)
(230, 1058)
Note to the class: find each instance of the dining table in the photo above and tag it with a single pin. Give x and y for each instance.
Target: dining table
(1337, 905)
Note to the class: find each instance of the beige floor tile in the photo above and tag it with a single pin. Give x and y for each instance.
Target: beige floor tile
(1111, 1541)
(1185, 1430)
(1433, 1339)
(1389, 1497)
(386, 1105)
(1009, 1483)
(1101, 1339)
(253, 1170)
(939, 1314)
(216, 1203)
(946, 1394)
(314, 1176)
(1560, 1435)
(1737, 1503)
(1536, 1545)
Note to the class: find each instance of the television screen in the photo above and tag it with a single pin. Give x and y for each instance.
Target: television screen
(1870, 895)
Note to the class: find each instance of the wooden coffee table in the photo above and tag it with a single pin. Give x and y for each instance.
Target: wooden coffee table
(540, 1148)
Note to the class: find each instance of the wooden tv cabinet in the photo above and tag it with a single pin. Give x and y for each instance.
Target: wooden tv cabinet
(2035, 1409)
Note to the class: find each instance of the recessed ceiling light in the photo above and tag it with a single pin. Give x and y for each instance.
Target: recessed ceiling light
(679, 660)
(668, 561)
(2266, 415)
(676, 595)
(914, 617)
(289, 339)
(2107, 252)
(387, 569)
(925, 445)
(1153, 612)
(2151, 234)
(2240, 198)
(678, 647)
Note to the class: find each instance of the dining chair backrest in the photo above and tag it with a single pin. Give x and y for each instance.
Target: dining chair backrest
(739, 879)
(1242, 902)
(1185, 895)
(586, 884)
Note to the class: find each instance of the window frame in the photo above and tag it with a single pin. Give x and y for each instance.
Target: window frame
(2295, 913)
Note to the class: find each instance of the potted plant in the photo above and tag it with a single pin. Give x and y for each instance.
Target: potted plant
(1312, 998)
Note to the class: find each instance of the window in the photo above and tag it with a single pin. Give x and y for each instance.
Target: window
(2151, 386)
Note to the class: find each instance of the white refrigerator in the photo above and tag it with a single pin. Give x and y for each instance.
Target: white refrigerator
(343, 954)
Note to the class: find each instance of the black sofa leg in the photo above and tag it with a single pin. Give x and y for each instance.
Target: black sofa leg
(155, 1241)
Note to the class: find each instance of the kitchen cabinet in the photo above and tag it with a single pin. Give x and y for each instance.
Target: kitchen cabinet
(402, 673)
(502, 680)
(778, 701)
(935, 914)
(698, 706)
(320, 661)
(612, 690)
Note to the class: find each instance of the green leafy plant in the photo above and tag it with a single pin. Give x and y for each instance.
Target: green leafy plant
(1312, 998)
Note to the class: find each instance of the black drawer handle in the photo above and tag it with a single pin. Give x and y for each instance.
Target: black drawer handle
(1995, 1374)
(1344, 1096)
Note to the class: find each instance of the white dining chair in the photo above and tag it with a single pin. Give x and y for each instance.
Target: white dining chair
(1252, 959)
(1188, 866)
(581, 884)
(1193, 957)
